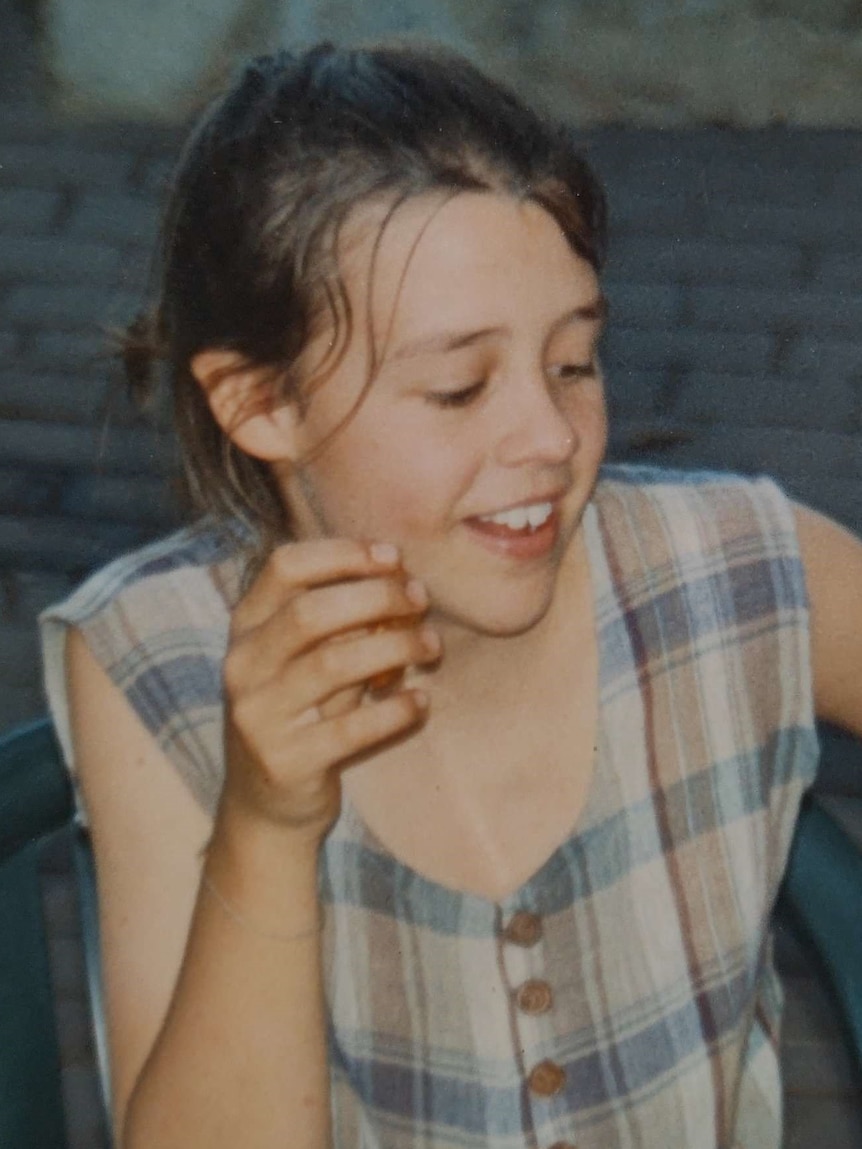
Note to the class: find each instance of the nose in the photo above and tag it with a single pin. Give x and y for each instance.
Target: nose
(535, 429)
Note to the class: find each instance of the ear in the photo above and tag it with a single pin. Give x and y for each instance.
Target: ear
(243, 401)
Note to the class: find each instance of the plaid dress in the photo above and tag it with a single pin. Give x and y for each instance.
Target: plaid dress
(624, 997)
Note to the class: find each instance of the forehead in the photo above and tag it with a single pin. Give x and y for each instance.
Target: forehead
(459, 256)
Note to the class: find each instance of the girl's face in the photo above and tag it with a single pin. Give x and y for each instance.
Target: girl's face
(477, 446)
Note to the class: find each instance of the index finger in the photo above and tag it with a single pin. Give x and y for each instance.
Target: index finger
(294, 567)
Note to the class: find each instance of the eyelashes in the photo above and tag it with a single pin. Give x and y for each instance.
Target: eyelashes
(464, 396)
(461, 398)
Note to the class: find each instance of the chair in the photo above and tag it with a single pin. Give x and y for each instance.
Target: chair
(822, 898)
(821, 894)
(36, 802)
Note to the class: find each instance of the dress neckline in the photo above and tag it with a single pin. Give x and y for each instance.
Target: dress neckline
(534, 893)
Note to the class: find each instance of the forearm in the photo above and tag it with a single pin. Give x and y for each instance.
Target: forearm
(241, 1058)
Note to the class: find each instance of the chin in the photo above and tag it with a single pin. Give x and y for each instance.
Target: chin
(508, 617)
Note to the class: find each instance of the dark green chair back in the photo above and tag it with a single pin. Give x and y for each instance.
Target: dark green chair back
(822, 898)
(35, 803)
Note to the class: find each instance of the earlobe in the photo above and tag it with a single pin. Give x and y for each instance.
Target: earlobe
(244, 402)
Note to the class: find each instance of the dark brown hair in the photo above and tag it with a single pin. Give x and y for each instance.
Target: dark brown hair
(247, 260)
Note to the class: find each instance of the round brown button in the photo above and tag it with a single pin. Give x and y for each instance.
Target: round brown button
(534, 997)
(524, 929)
(547, 1079)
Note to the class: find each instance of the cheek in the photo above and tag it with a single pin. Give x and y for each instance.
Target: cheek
(391, 484)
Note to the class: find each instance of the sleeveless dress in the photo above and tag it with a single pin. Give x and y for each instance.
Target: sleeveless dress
(624, 997)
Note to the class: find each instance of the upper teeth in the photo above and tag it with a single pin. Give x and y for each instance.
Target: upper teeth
(519, 517)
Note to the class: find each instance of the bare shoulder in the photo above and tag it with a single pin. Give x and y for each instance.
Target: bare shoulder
(147, 833)
(832, 557)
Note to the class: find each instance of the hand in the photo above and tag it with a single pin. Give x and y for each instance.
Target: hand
(322, 621)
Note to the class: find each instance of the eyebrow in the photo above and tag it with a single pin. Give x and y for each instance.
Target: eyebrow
(445, 341)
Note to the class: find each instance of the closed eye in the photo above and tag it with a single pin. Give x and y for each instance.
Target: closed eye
(565, 371)
(461, 398)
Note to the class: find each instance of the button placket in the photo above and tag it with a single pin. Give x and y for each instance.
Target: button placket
(523, 937)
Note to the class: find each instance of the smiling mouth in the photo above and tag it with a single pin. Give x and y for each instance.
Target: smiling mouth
(519, 519)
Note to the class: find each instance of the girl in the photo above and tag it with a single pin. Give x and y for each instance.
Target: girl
(441, 780)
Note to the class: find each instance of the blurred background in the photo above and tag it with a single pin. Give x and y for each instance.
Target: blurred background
(729, 135)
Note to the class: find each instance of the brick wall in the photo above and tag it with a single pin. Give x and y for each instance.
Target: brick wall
(735, 338)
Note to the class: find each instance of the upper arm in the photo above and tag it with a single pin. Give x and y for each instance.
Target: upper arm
(147, 833)
(832, 558)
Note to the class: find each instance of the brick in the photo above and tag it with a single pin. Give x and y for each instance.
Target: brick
(69, 307)
(25, 122)
(815, 357)
(58, 260)
(24, 493)
(839, 271)
(768, 222)
(687, 349)
(26, 593)
(753, 178)
(19, 656)
(115, 219)
(634, 394)
(847, 186)
(54, 163)
(56, 544)
(8, 345)
(138, 499)
(647, 259)
(43, 397)
(26, 211)
(775, 164)
(48, 446)
(53, 350)
(808, 463)
(746, 309)
(669, 215)
(766, 400)
(644, 304)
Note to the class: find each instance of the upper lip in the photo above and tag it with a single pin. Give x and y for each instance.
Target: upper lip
(552, 497)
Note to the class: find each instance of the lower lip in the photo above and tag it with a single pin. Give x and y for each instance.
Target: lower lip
(517, 545)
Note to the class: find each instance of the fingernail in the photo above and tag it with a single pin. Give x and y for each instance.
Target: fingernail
(384, 553)
(416, 592)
